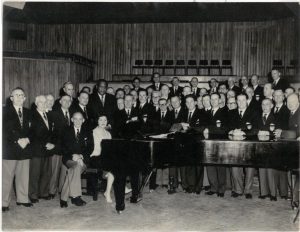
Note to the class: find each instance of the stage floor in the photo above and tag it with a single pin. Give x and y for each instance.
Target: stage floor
(157, 211)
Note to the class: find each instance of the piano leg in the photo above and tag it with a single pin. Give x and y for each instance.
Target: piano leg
(145, 182)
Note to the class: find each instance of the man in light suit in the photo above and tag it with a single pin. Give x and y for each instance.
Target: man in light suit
(16, 150)
(78, 145)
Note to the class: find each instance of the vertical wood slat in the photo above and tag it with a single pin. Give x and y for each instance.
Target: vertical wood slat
(252, 46)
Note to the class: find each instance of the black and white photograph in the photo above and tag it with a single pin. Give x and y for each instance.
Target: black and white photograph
(150, 116)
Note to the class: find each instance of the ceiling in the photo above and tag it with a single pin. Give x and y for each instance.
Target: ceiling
(146, 12)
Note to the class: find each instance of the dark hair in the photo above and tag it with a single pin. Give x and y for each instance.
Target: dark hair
(86, 87)
(136, 78)
(190, 96)
(154, 75)
(101, 81)
(81, 92)
(102, 115)
(63, 95)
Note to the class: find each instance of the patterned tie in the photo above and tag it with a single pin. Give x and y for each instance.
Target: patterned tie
(67, 118)
(77, 135)
(190, 117)
(241, 114)
(85, 112)
(20, 117)
(264, 119)
(176, 114)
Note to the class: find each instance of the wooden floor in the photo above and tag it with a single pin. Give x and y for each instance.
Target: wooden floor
(158, 211)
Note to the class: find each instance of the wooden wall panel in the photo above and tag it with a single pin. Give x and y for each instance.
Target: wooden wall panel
(251, 46)
(40, 76)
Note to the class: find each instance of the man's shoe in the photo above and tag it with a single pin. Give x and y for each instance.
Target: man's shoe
(263, 197)
(248, 196)
(46, 198)
(198, 192)
(78, 201)
(284, 197)
(220, 194)
(171, 191)
(34, 200)
(52, 196)
(25, 204)
(206, 188)
(273, 198)
(135, 199)
(210, 193)
(4, 209)
(63, 204)
(235, 194)
(164, 186)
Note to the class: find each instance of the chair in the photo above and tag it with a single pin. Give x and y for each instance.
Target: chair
(192, 64)
(157, 64)
(138, 64)
(279, 65)
(180, 64)
(292, 66)
(149, 65)
(169, 64)
(226, 64)
(214, 64)
(203, 64)
(92, 176)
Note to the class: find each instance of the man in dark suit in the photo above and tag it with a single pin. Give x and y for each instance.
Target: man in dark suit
(278, 81)
(78, 145)
(232, 86)
(156, 82)
(126, 120)
(194, 120)
(41, 137)
(62, 120)
(238, 120)
(102, 103)
(16, 150)
(194, 87)
(135, 97)
(81, 105)
(258, 90)
(251, 101)
(244, 84)
(213, 84)
(177, 116)
(68, 88)
(175, 90)
(145, 109)
(266, 175)
(136, 84)
(217, 121)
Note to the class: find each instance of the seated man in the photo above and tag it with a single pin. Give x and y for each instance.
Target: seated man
(78, 145)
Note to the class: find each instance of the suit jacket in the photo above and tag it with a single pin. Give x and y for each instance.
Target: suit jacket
(57, 105)
(12, 132)
(147, 109)
(266, 126)
(281, 84)
(181, 114)
(60, 125)
(214, 130)
(154, 87)
(121, 127)
(76, 108)
(259, 91)
(162, 125)
(255, 106)
(294, 122)
(198, 118)
(177, 93)
(236, 122)
(236, 89)
(282, 117)
(83, 145)
(40, 135)
(96, 108)
(197, 92)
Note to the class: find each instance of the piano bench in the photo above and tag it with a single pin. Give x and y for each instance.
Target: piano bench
(92, 176)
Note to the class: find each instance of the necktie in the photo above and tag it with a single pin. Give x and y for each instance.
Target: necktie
(276, 111)
(46, 119)
(157, 86)
(20, 117)
(212, 112)
(84, 110)
(241, 114)
(67, 117)
(128, 113)
(292, 113)
(264, 119)
(190, 116)
(175, 89)
(77, 135)
(162, 115)
(195, 91)
(102, 99)
(176, 113)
